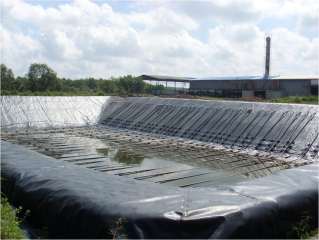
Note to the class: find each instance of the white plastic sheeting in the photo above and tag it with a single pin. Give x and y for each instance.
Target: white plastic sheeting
(36, 111)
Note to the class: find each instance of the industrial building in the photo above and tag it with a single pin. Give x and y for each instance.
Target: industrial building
(249, 87)
(265, 86)
(237, 87)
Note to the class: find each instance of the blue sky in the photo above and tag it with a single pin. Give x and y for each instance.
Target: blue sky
(83, 38)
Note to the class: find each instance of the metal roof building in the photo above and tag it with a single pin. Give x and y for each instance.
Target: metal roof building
(265, 86)
(253, 86)
(165, 78)
(243, 86)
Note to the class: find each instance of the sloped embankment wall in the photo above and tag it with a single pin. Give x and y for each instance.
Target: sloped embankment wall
(288, 129)
(38, 111)
(76, 202)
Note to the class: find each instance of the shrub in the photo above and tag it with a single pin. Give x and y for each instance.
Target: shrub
(9, 222)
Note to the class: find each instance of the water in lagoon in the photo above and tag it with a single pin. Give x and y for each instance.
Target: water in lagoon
(169, 167)
(139, 161)
(286, 130)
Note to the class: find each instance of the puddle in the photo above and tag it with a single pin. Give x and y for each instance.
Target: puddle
(145, 158)
(127, 157)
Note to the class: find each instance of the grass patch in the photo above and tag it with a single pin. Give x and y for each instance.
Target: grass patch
(117, 231)
(305, 228)
(297, 99)
(289, 99)
(10, 222)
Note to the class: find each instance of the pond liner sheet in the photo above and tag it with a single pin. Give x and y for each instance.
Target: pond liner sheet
(40, 111)
(283, 129)
(75, 202)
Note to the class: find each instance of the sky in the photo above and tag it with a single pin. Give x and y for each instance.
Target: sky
(83, 38)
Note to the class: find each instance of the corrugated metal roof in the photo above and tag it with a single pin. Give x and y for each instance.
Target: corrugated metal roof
(278, 77)
(224, 78)
(166, 78)
(295, 78)
(231, 78)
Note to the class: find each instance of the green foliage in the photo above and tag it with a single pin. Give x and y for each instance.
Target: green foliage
(156, 89)
(42, 78)
(9, 222)
(128, 157)
(117, 231)
(297, 99)
(303, 229)
(91, 83)
(8, 82)
(130, 85)
(107, 86)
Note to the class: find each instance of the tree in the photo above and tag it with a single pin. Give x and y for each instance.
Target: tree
(129, 85)
(91, 83)
(138, 85)
(42, 78)
(107, 86)
(7, 78)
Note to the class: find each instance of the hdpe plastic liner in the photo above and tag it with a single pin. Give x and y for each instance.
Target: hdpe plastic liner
(77, 202)
(25, 112)
(284, 129)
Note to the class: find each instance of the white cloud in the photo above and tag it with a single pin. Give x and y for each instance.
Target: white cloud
(309, 24)
(18, 50)
(66, 46)
(234, 11)
(293, 53)
(240, 48)
(162, 20)
(84, 38)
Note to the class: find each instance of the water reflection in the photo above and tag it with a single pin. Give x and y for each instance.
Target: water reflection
(128, 157)
(121, 154)
(103, 151)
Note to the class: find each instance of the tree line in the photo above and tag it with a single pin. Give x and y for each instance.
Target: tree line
(42, 80)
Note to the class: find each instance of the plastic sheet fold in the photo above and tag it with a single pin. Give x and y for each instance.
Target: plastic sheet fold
(37, 111)
(76, 202)
(73, 206)
(284, 129)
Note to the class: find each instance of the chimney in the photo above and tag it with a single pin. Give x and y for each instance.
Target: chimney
(267, 62)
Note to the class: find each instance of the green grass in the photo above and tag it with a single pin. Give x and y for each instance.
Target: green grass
(297, 99)
(10, 222)
(305, 228)
(313, 234)
(117, 231)
(290, 99)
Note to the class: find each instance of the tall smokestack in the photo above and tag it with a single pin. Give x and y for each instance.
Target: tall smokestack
(267, 63)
